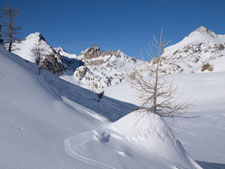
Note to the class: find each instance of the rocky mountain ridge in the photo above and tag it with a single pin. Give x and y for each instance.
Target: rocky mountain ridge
(201, 51)
(101, 69)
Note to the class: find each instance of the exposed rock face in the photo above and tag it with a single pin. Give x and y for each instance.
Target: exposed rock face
(51, 64)
(208, 67)
(81, 72)
(93, 52)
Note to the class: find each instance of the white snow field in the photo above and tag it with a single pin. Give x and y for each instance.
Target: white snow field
(48, 123)
(201, 129)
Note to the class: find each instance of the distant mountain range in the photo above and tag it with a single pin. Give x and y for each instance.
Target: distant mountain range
(201, 51)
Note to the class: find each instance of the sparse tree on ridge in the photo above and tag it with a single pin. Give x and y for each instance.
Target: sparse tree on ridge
(37, 52)
(157, 94)
(10, 30)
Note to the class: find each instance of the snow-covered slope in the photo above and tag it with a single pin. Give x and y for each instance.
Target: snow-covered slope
(201, 51)
(34, 121)
(24, 48)
(150, 132)
(139, 140)
(201, 129)
(48, 123)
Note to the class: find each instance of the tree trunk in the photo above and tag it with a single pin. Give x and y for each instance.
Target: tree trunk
(10, 47)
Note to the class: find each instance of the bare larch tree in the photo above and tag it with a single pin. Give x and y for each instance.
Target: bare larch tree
(37, 52)
(157, 94)
(10, 30)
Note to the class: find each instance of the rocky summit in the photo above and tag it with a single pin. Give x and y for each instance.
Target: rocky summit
(201, 51)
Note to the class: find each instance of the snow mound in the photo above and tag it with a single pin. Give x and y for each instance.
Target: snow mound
(151, 133)
(110, 150)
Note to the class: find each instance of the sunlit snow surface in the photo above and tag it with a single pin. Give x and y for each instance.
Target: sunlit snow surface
(201, 129)
(49, 123)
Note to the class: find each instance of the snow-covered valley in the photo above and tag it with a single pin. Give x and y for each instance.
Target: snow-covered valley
(50, 123)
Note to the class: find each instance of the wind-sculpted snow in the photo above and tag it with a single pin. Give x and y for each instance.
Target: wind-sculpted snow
(109, 108)
(134, 141)
(201, 130)
(36, 118)
(49, 123)
(150, 132)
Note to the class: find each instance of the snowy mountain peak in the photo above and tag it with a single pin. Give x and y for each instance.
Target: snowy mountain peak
(35, 48)
(204, 30)
(200, 51)
(35, 36)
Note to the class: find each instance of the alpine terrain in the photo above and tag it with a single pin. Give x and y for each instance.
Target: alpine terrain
(53, 118)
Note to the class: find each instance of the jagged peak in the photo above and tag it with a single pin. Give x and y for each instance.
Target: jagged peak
(94, 47)
(92, 52)
(204, 30)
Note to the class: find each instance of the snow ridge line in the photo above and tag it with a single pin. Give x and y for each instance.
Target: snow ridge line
(69, 150)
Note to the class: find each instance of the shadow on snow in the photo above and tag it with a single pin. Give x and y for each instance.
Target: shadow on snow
(108, 107)
(208, 165)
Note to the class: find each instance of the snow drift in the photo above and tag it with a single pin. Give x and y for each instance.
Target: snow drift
(150, 132)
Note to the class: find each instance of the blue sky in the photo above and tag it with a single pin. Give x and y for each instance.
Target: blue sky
(127, 25)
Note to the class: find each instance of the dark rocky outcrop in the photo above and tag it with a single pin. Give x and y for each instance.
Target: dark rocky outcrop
(208, 67)
(52, 64)
(93, 52)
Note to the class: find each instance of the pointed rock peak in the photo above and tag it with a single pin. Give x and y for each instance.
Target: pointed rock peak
(95, 47)
(92, 52)
(203, 29)
(41, 37)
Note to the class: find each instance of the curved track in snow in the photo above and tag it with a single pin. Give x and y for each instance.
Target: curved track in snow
(69, 150)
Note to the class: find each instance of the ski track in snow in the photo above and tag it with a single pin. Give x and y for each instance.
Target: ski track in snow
(69, 150)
